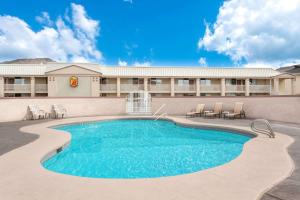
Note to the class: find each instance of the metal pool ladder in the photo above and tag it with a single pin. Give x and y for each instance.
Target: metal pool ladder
(160, 116)
(268, 131)
(156, 116)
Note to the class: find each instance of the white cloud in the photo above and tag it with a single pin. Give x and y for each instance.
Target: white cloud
(202, 61)
(122, 63)
(84, 25)
(64, 41)
(258, 65)
(142, 64)
(128, 1)
(256, 31)
(44, 18)
(130, 48)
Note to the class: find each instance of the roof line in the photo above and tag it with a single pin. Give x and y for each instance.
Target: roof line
(135, 67)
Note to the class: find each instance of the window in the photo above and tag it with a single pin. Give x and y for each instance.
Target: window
(204, 81)
(135, 81)
(155, 81)
(19, 80)
(183, 82)
(235, 82)
(252, 82)
(103, 80)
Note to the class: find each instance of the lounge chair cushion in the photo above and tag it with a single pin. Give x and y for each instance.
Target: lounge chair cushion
(211, 113)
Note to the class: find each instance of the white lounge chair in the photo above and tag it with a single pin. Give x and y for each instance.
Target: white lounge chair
(237, 111)
(199, 111)
(217, 111)
(36, 112)
(59, 110)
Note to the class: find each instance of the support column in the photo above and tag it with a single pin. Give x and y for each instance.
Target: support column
(32, 86)
(276, 86)
(198, 87)
(247, 87)
(293, 84)
(118, 87)
(270, 87)
(145, 84)
(223, 87)
(172, 87)
(1, 86)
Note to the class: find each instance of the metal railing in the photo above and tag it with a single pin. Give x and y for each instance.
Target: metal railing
(156, 116)
(41, 87)
(260, 88)
(160, 116)
(131, 87)
(185, 88)
(108, 87)
(159, 109)
(160, 88)
(17, 88)
(268, 131)
(138, 103)
(235, 88)
(210, 88)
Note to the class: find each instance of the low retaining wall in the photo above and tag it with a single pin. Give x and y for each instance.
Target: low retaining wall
(286, 109)
(16, 109)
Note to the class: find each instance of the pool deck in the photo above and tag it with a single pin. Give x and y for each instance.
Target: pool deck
(249, 176)
(288, 189)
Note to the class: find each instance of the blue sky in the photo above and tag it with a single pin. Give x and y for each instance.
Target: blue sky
(142, 32)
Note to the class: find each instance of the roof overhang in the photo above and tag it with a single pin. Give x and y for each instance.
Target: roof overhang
(285, 75)
(73, 70)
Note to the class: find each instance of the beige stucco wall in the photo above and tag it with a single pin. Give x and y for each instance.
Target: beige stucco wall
(95, 86)
(1, 86)
(59, 82)
(273, 108)
(16, 109)
(284, 86)
(297, 85)
(63, 88)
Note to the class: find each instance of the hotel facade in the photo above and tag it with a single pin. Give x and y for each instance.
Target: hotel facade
(93, 80)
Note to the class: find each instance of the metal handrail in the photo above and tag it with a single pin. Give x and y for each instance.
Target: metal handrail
(160, 116)
(269, 131)
(161, 107)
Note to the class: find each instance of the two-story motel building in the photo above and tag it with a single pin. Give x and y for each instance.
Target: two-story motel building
(93, 80)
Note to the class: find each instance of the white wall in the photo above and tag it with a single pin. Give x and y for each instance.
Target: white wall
(274, 108)
(286, 109)
(16, 109)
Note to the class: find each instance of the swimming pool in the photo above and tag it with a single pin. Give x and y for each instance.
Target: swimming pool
(143, 149)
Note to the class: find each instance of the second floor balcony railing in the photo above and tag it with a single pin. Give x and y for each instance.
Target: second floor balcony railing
(160, 88)
(17, 88)
(131, 87)
(210, 88)
(185, 88)
(235, 88)
(260, 88)
(108, 87)
(41, 88)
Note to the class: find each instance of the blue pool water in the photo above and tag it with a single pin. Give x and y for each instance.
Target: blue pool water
(142, 149)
